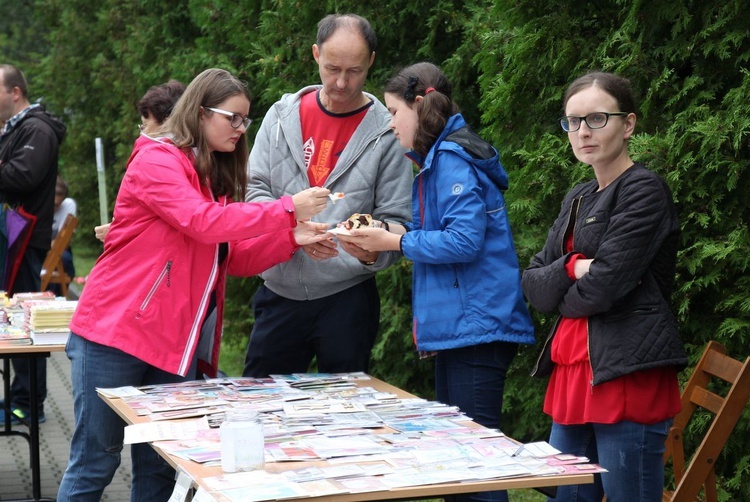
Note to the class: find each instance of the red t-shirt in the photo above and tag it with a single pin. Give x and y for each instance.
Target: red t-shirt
(325, 135)
(644, 397)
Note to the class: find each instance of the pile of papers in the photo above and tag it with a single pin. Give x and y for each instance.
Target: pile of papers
(34, 318)
(361, 438)
(11, 336)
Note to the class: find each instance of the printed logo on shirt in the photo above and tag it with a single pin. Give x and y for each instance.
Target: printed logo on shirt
(591, 219)
(308, 150)
(457, 189)
(321, 169)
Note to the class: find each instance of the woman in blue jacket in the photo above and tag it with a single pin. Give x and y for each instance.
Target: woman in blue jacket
(468, 305)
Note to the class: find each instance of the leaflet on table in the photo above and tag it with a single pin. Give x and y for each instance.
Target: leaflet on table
(182, 487)
(338, 471)
(250, 488)
(322, 407)
(296, 377)
(159, 431)
(120, 392)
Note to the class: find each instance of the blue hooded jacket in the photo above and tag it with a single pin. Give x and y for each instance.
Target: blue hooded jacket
(467, 282)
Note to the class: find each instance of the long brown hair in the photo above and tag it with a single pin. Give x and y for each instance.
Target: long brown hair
(434, 110)
(225, 172)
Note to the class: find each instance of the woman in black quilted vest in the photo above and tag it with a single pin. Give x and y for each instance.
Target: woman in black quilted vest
(607, 270)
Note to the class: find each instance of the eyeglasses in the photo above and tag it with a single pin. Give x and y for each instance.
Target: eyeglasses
(595, 120)
(236, 120)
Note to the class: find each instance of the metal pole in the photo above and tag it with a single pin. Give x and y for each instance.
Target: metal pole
(103, 215)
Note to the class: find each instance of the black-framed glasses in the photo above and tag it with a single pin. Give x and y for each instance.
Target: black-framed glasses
(236, 119)
(596, 120)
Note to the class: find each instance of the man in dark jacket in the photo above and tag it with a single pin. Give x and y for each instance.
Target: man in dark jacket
(29, 144)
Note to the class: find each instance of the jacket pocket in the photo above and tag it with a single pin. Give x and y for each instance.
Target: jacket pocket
(634, 312)
(164, 277)
(637, 331)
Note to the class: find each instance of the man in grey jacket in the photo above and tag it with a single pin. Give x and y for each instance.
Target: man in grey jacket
(324, 303)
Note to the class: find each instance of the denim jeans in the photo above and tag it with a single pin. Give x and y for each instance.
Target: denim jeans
(98, 436)
(631, 452)
(473, 378)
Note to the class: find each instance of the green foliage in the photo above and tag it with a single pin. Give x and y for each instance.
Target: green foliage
(394, 358)
(510, 63)
(687, 62)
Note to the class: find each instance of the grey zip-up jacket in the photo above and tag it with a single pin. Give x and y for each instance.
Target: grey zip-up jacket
(372, 172)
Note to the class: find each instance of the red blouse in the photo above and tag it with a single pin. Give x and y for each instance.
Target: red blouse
(644, 397)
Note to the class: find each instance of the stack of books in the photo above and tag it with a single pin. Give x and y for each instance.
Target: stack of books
(47, 320)
(11, 336)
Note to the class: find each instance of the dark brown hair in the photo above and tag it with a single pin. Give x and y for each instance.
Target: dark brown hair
(160, 100)
(226, 171)
(614, 85)
(434, 110)
(332, 22)
(61, 188)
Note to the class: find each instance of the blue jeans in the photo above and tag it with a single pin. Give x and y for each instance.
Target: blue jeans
(98, 436)
(631, 452)
(473, 378)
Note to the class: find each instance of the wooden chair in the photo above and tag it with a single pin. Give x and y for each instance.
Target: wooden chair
(52, 268)
(715, 366)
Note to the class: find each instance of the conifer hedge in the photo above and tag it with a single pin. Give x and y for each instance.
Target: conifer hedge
(510, 62)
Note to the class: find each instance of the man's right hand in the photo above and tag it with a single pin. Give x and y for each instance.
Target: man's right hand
(310, 202)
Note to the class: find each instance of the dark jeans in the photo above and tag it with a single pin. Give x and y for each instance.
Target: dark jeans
(632, 454)
(28, 280)
(473, 378)
(339, 330)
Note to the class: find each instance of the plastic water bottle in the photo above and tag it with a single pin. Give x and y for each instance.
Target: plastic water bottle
(241, 441)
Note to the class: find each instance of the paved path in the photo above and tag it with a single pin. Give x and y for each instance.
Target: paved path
(54, 445)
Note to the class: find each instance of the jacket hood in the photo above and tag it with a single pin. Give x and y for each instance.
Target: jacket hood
(289, 104)
(457, 137)
(140, 143)
(54, 123)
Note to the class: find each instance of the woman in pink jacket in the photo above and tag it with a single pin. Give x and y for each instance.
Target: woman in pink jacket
(175, 236)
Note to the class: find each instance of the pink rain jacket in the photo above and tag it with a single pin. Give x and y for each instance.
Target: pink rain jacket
(149, 291)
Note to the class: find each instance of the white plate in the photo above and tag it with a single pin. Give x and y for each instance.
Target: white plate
(336, 196)
(339, 231)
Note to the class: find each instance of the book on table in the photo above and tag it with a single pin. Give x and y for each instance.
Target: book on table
(11, 336)
(49, 337)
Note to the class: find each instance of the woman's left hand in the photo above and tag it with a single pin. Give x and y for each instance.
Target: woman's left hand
(581, 267)
(308, 232)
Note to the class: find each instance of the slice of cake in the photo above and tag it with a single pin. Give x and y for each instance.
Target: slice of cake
(358, 220)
